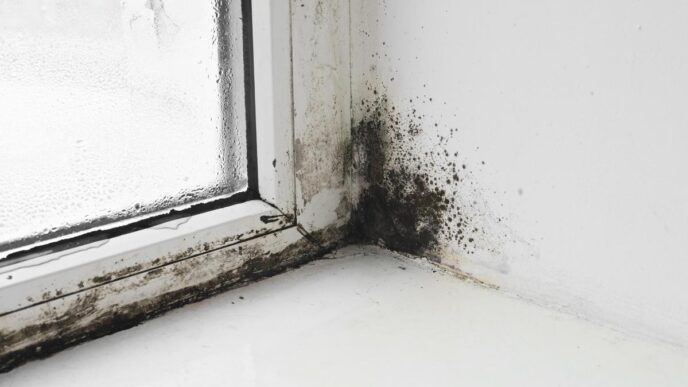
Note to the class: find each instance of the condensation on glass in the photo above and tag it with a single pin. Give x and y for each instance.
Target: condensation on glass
(114, 109)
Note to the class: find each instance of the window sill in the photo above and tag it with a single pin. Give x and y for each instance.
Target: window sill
(56, 275)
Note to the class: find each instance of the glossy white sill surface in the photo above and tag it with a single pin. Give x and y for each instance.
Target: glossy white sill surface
(363, 319)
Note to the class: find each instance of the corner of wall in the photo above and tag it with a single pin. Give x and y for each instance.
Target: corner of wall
(322, 96)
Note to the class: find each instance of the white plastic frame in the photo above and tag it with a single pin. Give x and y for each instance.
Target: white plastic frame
(35, 281)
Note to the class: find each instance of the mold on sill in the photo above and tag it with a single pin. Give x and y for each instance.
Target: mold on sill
(91, 312)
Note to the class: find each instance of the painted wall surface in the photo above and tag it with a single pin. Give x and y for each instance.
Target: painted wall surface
(322, 107)
(556, 132)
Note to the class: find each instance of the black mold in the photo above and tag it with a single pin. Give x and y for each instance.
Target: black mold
(56, 332)
(408, 203)
(270, 218)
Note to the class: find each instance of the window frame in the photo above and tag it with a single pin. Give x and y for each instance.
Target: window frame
(50, 276)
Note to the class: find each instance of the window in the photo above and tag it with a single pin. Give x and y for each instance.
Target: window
(247, 196)
(115, 112)
(204, 193)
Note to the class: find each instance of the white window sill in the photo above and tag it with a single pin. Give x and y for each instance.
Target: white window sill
(365, 318)
(59, 274)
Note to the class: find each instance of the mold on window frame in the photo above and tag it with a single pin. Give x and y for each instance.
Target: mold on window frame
(50, 300)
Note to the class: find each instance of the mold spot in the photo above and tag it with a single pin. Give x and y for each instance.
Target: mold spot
(117, 274)
(409, 200)
(270, 218)
(101, 279)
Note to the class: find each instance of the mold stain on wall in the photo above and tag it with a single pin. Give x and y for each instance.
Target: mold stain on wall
(411, 196)
(417, 185)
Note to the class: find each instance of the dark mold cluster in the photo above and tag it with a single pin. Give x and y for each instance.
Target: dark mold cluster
(410, 200)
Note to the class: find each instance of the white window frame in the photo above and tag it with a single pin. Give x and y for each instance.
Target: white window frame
(52, 276)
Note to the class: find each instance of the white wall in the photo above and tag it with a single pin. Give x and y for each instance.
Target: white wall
(579, 111)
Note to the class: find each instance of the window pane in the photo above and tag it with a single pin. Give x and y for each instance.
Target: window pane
(110, 109)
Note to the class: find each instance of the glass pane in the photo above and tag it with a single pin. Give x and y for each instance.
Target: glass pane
(111, 109)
